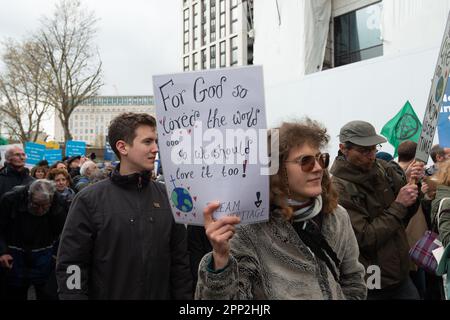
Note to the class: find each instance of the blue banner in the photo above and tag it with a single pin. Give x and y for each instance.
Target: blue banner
(53, 156)
(75, 148)
(109, 153)
(35, 152)
(444, 121)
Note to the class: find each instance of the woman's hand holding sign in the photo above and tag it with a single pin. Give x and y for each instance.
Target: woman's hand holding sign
(219, 233)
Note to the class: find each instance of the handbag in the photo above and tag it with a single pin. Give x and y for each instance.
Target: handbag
(422, 252)
(414, 231)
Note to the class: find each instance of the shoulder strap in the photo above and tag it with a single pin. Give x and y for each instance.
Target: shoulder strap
(439, 210)
(385, 174)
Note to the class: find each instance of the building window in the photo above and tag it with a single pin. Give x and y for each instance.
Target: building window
(233, 51)
(195, 61)
(203, 8)
(186, 31)
(357, 35)
(196, 26)
(186, 63)
(212, 22)
(222, 21)
(233, 16)
(222, 54)
(203, 59)
(212, 57)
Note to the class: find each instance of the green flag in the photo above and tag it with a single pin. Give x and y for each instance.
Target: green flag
(404, 126)
(3, 141)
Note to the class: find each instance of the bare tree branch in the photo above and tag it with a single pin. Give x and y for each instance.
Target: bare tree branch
(73, 69)
(23, 101)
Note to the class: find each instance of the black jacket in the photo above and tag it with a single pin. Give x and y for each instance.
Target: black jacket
(121, 233)
(198, 246)
(20, 229)
(29, 239)
(10, 177)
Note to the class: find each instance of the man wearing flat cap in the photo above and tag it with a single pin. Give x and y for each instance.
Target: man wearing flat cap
(380, 204)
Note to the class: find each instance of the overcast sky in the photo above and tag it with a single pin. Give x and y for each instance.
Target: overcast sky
(136, 38)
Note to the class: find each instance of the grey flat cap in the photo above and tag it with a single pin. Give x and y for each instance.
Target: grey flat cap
(361, 133)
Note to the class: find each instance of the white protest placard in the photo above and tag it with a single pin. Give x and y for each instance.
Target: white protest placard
(212, 134)
(437, 91)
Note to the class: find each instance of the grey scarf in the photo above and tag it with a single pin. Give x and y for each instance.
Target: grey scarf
(308, 212)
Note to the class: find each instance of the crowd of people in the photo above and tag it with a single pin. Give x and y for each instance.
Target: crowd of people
(74, 231)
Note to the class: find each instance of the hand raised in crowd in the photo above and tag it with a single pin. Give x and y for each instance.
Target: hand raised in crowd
(425, 187)
(6, 261)
(415, 171)
(219, 233)
(408, 195)
(428, 188)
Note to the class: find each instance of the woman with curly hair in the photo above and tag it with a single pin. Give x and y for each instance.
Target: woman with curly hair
(307, 249)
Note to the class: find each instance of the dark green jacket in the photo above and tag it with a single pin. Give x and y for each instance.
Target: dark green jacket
(378, 221)
(444, 222)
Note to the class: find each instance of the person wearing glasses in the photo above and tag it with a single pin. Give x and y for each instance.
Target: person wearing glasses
(380, 203)
(14, 172)
(31, 220)
(307, 249)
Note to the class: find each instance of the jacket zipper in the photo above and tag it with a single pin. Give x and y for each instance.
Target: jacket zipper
(140, 214)
(140, 183)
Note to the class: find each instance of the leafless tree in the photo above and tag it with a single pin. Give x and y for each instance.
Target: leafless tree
(23, 103)
(74, 68)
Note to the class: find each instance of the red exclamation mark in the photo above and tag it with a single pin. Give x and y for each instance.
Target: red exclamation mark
(245, 167)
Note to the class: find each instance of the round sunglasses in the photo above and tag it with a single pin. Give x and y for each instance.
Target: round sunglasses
(307, 162)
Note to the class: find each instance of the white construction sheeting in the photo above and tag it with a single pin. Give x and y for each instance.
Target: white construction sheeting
(413, 24)
(317, 23)
(373, 90)
(290, 37)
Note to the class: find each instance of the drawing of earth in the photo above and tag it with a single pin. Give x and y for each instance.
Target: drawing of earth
(181, 199)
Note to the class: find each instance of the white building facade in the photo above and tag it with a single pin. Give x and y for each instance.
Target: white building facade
(217, 33)
(377, 56)
(89, 122)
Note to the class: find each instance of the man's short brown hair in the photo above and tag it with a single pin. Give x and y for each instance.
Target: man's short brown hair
(436, 150)
(123, 127)
(406, 151)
